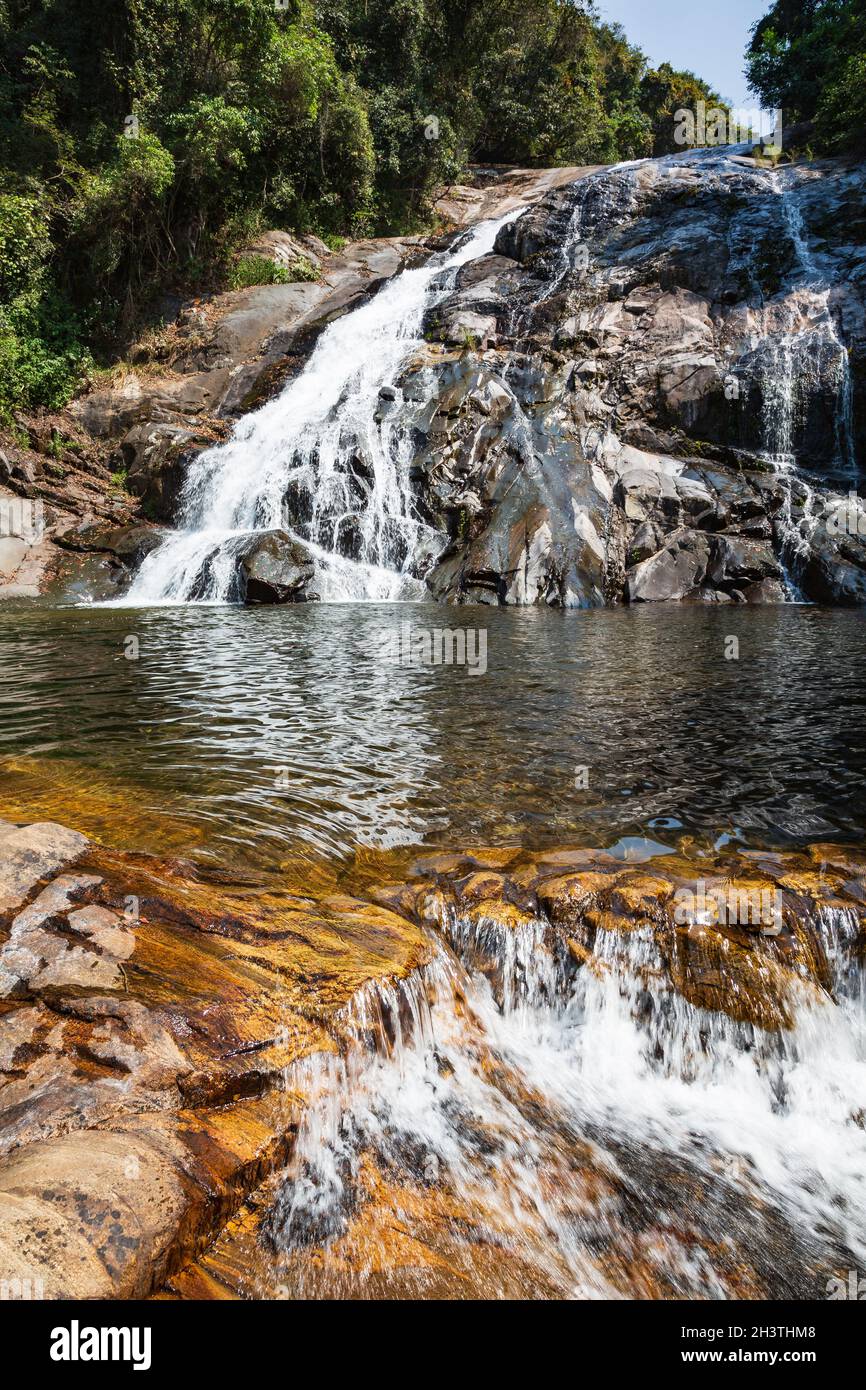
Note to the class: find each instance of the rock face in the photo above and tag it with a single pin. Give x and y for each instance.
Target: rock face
(660, 392)
(498, 189)
(54, 485)
(223, 356)
(119, 454)
(653, 389)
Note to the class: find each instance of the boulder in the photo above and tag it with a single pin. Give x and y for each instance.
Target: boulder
(130, 544)
(737, 560)
(156, 455)
(146, 1035)
(274, 568)
(835, 567)
(674, 573)
(466, 329)
(285, 250)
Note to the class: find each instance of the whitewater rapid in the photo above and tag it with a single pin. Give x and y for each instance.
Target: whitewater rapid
(543, 1108)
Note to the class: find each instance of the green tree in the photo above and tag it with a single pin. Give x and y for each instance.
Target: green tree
(806, 57)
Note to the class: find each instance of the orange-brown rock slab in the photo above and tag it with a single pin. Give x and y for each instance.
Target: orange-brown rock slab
(150, 1026)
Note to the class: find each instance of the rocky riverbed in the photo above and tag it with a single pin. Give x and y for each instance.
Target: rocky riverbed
(328, 974)
(197, 1078)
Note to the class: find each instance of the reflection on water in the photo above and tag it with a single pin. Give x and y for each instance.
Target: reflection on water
(274, 732)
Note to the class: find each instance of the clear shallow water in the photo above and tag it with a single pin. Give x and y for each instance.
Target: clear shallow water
(255, 735)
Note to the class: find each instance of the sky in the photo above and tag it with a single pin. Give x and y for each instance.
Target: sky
(709, 39)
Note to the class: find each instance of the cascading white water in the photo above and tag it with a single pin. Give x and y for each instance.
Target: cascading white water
(793, 350)
(328, 460)
(507, 1097)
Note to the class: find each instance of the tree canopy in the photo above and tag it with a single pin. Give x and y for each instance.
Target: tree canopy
(808, 58)
(143, 141)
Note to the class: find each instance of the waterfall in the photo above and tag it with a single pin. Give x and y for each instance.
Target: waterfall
(792, 353)
(533, 1099)
(794, 350)
(327, 460)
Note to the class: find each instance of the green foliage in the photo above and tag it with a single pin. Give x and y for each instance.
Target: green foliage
(41, 353)
(663, 93)
(260, 270)
(808, 58)
(302, 269)
(144, 142)
(25, 244)
(841, 114)
(256, 270)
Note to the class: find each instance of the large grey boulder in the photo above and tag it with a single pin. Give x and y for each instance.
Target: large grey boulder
(274, 568)
(700, 565)
(834, 570)
(674, 573)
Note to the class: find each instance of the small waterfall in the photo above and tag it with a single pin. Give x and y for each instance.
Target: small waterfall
(328, 460)
(516, 1099)
(802, 333)
(795, 351)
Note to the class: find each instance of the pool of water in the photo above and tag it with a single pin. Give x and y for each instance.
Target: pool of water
(254, 735)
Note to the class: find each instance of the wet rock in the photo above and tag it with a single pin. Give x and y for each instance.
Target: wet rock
(466, 329)
(274, 568)
(156, 456)
(677, 572)
(144, 1052)
(129, 544)
(737, 942)
(31, 853)
(668, 396)
(737, 560)
(834, 567)
(694, 565)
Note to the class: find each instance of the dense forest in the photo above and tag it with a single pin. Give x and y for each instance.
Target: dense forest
(143, 141)
(808, 58)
